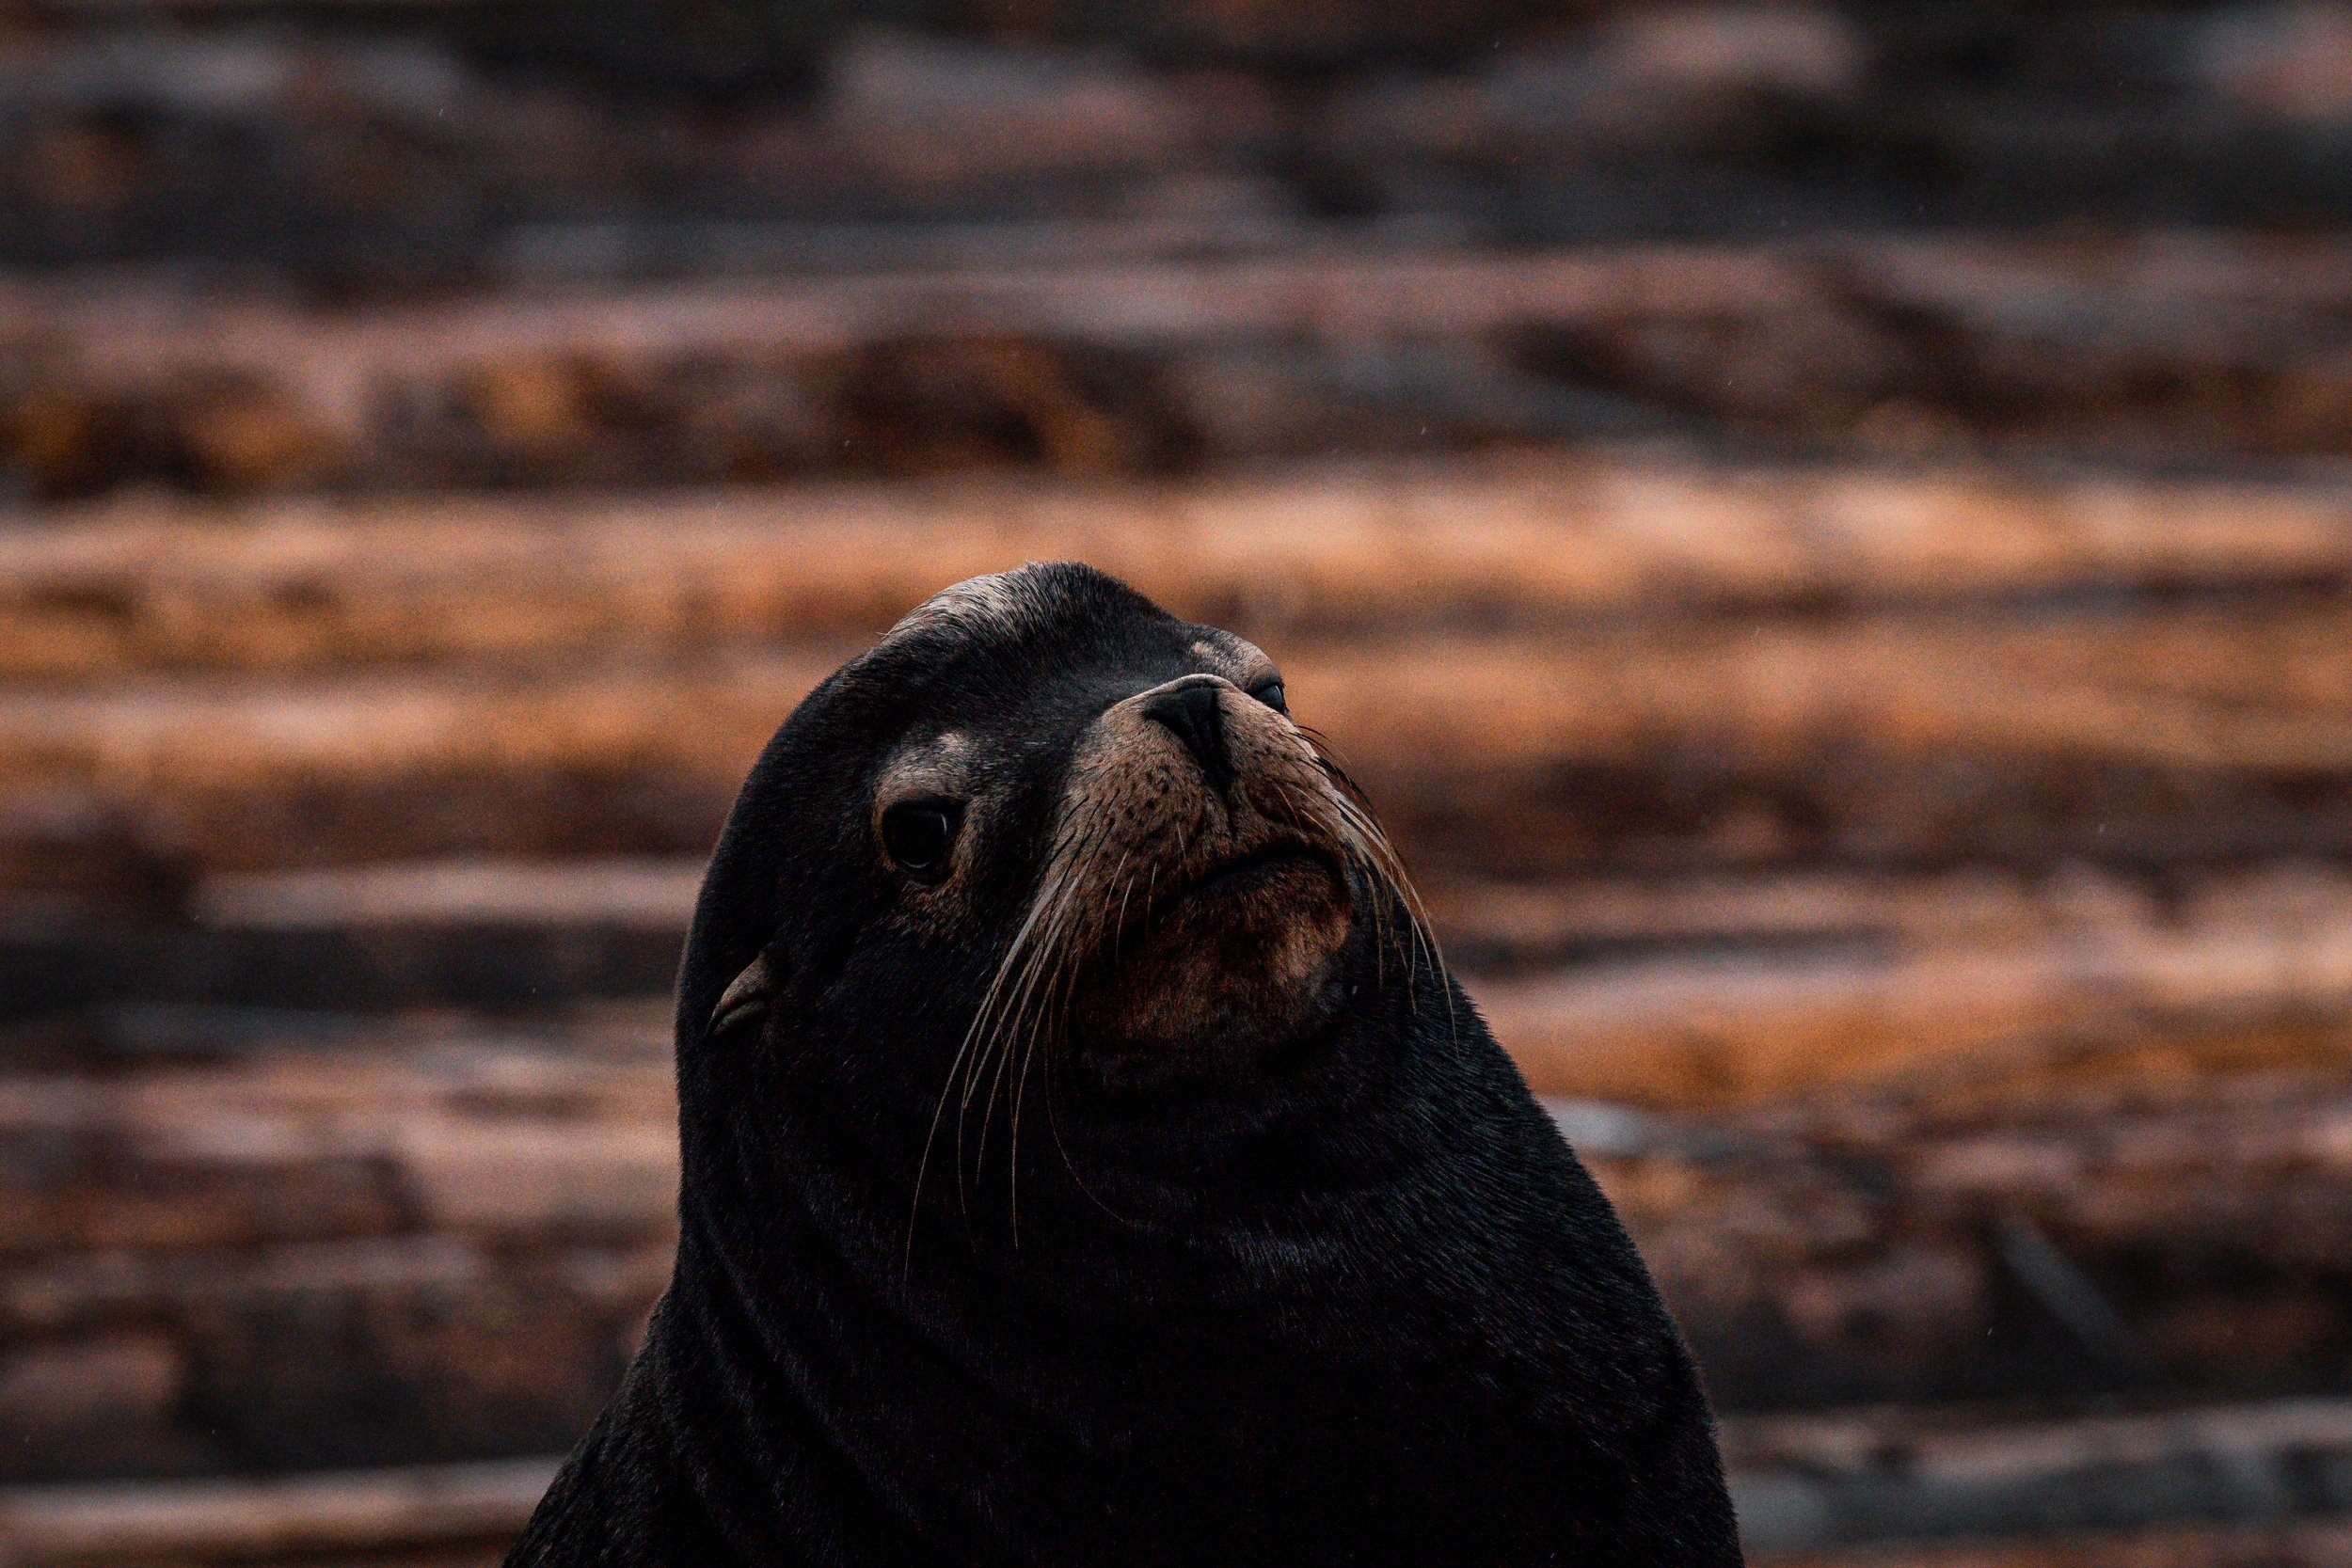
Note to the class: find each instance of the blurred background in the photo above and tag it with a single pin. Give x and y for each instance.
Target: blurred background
(1822, 528)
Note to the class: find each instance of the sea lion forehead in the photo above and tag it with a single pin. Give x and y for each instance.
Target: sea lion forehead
(1000, 603)
(1045, 599)
(1047, 641)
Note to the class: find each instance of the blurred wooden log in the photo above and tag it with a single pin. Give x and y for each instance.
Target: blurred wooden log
(498, 933)
(1898, 342)
(272, 1519)
(2166, 735)
(459, 1235)
(1586, 979)
(388, 1127)
(385, 159)
(1730, 1027)
(1806, 1482)
(1678, 992)
(355, 1351)
(654, 895)
(1502, 928)
(389, 160)
(2326, 1543)
(2090, 1223)
(390, 1245)
(144, 583)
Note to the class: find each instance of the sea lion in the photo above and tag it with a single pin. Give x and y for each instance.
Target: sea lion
(1088, 1160)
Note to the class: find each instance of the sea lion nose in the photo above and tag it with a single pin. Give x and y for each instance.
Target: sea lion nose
(1192, 710)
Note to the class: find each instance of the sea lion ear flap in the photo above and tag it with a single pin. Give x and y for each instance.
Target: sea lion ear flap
(746, 1000)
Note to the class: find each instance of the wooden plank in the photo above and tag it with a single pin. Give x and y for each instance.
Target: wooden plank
(353, 1350)
(2079, 1225)
(395, 1126)
(289, 1227)
(1803, 1483)
(2323, 1544)
(1144, 367)
(639, 893)
(2207, 689)
(1676, 991)
(2170, 734)
(148, 583)
(131, 336)
(270, 1517)
(1731, 1028)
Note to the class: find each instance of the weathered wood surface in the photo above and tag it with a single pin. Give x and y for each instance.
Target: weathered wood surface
(409, 1243)
(145, 584)
(2214, 344)
(1923, 882)
(2263, 690)
(2122, 1214)
(2150, 735)
(390, 159)
(368, 1241)
(1677, 992)
(1739, 991)
(2322, 1545)
(443, 1511)
(1806, 1483)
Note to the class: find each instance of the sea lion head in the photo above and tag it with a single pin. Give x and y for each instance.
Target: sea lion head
(1043, 838)
(1242, 1240)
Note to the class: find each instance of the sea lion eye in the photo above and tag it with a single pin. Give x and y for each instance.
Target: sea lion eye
(1270, 693)
(919, 834)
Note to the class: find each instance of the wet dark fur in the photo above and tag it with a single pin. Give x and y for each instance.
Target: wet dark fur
(1347, 1301)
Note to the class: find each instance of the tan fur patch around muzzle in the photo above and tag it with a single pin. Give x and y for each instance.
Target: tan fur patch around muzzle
(1199, 888)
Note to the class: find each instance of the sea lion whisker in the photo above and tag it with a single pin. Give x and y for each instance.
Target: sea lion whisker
(1021, 1082)
(1012, 1155)
(1061, 1146)
(1417, 912)
(1067, 958)
(1329, 761)
(1021, 951)
(989, 1027)
(1362, 855)
(1118, 932)
(1042, 962)
(1327, 808)
(948, 1086)
(1003, 1016)
(1052, 901)
(1048, 956)
(1372, 846)
(1360, 840)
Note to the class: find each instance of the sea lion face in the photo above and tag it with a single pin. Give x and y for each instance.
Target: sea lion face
(1184, 898)
(1078, 827)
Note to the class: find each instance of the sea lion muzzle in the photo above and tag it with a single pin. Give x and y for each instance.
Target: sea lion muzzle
(1201, 884)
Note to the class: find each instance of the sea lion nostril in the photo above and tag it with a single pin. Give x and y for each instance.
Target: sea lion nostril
(1193, 713)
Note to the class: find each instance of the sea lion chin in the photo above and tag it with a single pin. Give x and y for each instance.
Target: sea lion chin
(1236, 966)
